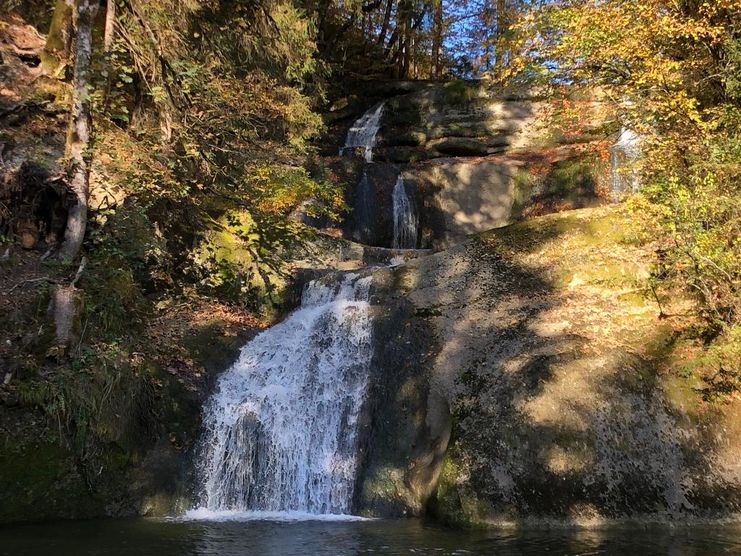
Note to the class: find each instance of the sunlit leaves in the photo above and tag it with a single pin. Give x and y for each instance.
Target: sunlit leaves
(673, 72)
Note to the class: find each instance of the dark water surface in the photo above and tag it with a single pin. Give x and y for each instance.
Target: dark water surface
(142, 537)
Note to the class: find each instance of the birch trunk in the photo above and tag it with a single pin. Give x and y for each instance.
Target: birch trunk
(110, 19)
(80, 129)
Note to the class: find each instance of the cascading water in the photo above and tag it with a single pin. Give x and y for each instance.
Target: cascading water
(281, 431)
(363, 132)
(405, 217)
(622, 154)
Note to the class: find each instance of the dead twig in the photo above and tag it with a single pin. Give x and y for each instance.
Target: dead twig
(32, 281)
(79, 272)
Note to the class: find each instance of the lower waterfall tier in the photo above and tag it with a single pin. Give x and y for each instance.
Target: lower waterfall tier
(281, 428)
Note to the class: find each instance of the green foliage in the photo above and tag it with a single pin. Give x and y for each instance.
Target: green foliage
(568, 183)
(673, 71)
(225, 262)
(204, 118)
(722, 357)
(702, 226)
(240, 253)
(460, 92)
(96, 400)
(204, 112)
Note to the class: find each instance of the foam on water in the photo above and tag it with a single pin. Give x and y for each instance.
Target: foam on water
(203, 514)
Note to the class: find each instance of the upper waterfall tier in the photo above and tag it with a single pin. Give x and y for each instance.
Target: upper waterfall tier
(623, 153)
(363, 132)
(281, 431)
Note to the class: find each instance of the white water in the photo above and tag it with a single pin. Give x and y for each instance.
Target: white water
(281, 431)
(405, 218)
(623, 154)
(363, 132)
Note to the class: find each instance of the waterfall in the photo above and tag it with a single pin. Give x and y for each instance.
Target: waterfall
(363, 132)
(622, 154)
(364, 209)
(281, 430)
(405, 217)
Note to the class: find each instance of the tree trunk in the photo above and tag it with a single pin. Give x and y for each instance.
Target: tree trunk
(407, 46)
(56, 54)
(403, 17)
(400, 53)
(65, 307)
(110, 19)
(392, 44)
(80, 130)
(385, 24)
(501, 30)
(415, 56)
(437, 38)
(108, 35)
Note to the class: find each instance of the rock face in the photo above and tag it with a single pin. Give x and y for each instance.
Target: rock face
(476, 157)
(464, 197)
(370, 221)
(522, 375)
(407, 425)
(521, 372)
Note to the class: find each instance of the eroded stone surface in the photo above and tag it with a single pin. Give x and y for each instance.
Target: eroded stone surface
(557, 393)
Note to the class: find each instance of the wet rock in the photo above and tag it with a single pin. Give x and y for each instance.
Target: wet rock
(406, 426)
(370, 221)
(410, 138)
(399, 155)
(459, 146)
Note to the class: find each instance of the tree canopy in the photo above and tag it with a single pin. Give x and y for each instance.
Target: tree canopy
(672, 70)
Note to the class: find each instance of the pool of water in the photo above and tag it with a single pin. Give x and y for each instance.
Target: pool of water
(142, 537)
